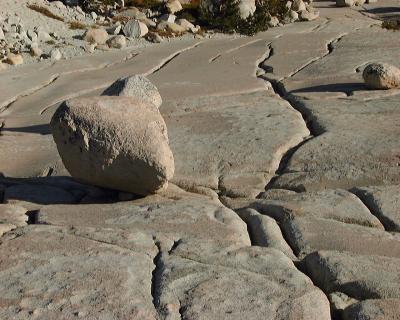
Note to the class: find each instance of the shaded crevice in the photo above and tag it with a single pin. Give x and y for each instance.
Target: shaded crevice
(174, 246)
(156, 276)
(33, 217)
(250, 231)
(214, 58)
(280, 90)
(285, 162)
(2, 124)
(181, 310)
(265, 57)
(388, 224)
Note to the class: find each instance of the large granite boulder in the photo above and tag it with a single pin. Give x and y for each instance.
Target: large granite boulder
(114, 142)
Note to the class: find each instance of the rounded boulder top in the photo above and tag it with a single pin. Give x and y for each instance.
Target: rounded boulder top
(137, 86)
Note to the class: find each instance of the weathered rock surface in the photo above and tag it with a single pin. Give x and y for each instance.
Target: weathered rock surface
(13, 214)
(306, 235)
(338, 158)
(114, 142)
(198, 224)
(232, 285)
(179, 255)
(381, 76)
(358, 276)
(323, 77)
(48, 273)
(136, 86)
(227, 144)
(11, 217)
(169, 254)
(374, 309)
(338, 205)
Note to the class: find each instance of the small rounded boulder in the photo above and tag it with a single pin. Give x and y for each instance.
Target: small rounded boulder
(381, 76)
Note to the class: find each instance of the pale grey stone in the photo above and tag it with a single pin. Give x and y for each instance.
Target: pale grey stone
(135, 29)
(98, 36)
(136, 86)
(55, 54)
(358, 276)
(114, 142)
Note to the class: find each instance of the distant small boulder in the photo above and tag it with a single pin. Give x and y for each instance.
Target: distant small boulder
(136, 86)
(381, 76)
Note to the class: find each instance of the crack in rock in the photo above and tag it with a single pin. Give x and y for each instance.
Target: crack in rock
(174, 246)
(310, 122)
(6, 105)
(164, 63)
(156, 276)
